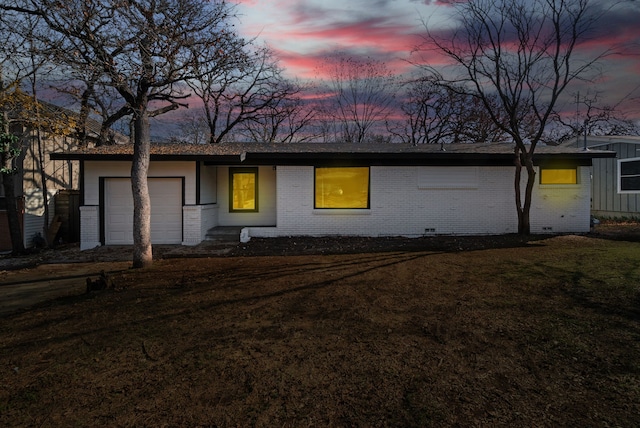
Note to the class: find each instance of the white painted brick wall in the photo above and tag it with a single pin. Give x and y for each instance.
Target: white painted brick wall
(89, 227)
(191, 221)
(407, 201)
(196, 221)
(563, 208)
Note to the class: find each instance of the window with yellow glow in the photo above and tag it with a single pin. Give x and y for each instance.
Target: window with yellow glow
(243, 189)
(558, 176)
(343, 187)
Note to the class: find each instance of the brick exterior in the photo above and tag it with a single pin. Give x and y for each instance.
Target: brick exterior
(414, 201)
(197, 220)
(563, 208)
(404, 201)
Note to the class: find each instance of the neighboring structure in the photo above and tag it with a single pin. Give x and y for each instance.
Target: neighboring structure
(615, 182)
(60, 174)
(329, 189)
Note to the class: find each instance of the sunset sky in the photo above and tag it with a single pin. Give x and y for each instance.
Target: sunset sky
(303, 32)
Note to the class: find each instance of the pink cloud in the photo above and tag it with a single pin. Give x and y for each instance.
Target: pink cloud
(308, 65)
(372, 32)
(304, 33)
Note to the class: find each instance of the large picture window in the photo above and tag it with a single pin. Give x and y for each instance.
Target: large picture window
(629, 175)
(558, 176)
(342, 187)
(243, 189)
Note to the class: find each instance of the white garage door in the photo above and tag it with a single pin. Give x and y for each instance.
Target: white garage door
(166, 211)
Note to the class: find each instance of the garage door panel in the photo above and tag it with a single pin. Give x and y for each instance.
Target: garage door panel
(120, 236)
(118, 211)
(166, 211)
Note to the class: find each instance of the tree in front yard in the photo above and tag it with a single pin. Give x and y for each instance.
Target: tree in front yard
(143, 49)
(524, 54)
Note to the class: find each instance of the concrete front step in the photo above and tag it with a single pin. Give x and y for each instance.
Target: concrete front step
(223, 234)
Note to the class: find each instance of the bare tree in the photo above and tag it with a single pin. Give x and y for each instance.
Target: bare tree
(13, 105)
(94, 99)
(10, 150)
(593, 118)
(360, 97)
(523, 52)
(37, 60)
(427, 110)
(287, 119)
(476, 123)
(435, 114)
(246, 88)
(142, 49)
(193, 129)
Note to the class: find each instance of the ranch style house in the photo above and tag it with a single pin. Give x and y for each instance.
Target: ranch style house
(317, 189)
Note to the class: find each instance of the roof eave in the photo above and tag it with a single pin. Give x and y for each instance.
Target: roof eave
(217, 159)
(442, 158)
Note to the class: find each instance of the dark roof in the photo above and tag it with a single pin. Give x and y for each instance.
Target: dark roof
(335, 153)
(602, 140)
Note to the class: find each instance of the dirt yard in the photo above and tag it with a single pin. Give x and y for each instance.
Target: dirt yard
(493, 331)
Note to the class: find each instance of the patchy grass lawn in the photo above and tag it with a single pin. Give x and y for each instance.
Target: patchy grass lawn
(544, 334)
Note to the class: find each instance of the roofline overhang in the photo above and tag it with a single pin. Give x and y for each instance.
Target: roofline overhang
(442, 158)
(218, 159)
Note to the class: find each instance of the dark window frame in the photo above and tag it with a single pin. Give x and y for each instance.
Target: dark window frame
(244, 170)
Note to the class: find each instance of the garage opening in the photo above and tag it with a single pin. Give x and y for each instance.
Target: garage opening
(166, 210)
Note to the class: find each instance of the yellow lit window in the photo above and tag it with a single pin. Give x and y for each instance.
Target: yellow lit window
(243, 189)
(558, 176)
(346, 187)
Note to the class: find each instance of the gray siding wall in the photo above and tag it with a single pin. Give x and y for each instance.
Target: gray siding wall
(605, 199)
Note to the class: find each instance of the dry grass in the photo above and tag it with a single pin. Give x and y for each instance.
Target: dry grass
(545, 334)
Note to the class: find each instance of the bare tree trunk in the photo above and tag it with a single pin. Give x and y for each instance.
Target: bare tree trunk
(13, 214)
(81, 127)
(8, 183)
(518, 188)
(142, 251)
(524, 209)
(525, 224)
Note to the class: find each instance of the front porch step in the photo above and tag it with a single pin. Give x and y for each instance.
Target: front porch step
(223, 234)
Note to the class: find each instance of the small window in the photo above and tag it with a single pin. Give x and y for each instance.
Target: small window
(558, 176)
(629, 175)
(243, 189)
(342, 187)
